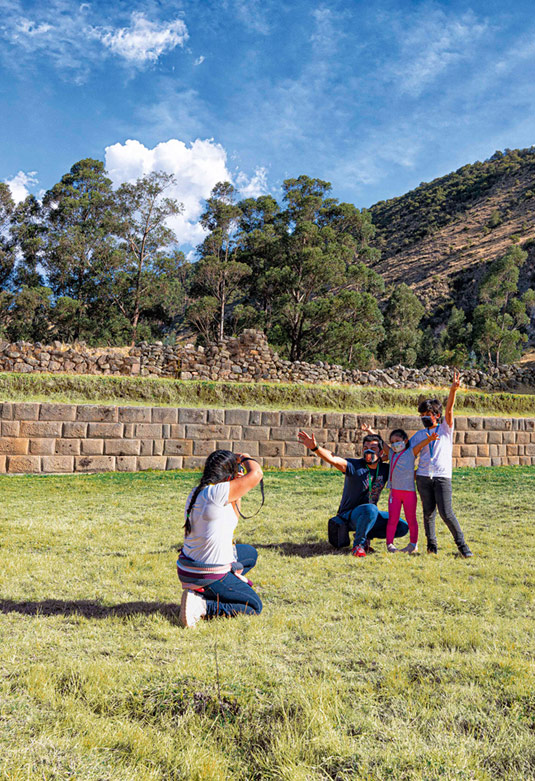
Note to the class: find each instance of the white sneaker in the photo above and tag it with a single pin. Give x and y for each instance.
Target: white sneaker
(391, 548)
(412, 547)
(192, 608)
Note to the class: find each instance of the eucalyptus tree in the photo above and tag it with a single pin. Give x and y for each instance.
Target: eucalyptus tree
(7, 252)
(502, 312)
(79, 245)
(218, 273)
(403, 314)
(305, 255)
(147, 276)
(28, 233)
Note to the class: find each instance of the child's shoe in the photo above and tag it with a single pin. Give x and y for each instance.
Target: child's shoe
(412, 547)
(465, 551)
(358, 551)
(392, 548)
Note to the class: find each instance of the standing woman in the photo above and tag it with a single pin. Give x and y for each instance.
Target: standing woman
(210, 567)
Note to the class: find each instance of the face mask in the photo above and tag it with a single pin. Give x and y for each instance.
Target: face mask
(370, 455)
(398, 447)
(427, 421)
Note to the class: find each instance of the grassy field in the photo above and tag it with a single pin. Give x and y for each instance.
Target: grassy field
(385, 667)
(80, 389)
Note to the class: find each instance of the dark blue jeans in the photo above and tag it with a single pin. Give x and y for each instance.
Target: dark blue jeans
(368, 523)
(230, 595)
(435, 492)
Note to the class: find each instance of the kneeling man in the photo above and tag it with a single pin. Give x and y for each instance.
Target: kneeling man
(365, 478)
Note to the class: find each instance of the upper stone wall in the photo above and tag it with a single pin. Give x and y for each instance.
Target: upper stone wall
(247, 358)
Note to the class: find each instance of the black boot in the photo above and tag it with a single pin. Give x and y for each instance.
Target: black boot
(432, 548)
(465, 551)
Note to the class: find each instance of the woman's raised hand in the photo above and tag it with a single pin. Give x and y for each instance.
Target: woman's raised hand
(456, 384)
(366, 427)
(308, 440)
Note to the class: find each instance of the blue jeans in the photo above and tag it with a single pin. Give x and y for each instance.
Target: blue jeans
(230, 595)
(368, 522)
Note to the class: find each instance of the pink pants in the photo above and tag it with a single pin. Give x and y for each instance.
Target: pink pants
(397, 499)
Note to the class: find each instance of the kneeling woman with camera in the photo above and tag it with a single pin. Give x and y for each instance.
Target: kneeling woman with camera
(210, 567)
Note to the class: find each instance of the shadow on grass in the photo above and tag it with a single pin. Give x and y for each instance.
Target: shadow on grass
(90, 609)
(303, 550)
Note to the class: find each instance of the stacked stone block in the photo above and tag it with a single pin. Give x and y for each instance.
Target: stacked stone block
(247, 358)
(54, 438)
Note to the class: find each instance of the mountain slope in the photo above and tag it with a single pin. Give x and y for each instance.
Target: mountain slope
(440, 237)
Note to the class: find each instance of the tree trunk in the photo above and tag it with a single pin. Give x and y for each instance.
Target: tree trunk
(137, 294)
(135, 320)
(222, 317)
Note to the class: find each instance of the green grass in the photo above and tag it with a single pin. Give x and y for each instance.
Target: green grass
(82, 389)
(385, 667)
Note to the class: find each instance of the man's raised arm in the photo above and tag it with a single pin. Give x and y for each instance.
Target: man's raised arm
(309, 441)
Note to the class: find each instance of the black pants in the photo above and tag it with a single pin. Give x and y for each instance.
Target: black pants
(436, 492)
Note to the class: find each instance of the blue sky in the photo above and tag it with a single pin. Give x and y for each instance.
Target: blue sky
(374, 97)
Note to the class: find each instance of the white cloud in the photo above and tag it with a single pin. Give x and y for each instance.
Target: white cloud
(145, 41)
(329, 28)
(253, 14)
(27, 27)
(200, 60)
(254, 186)
(430, 42)
(75, 40)
(197, 169)
(19, 184)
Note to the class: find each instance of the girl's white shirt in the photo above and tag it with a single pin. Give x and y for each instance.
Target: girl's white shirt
(213, 522)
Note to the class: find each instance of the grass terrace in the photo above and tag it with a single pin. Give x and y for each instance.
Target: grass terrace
(87, 389)
(375, 668)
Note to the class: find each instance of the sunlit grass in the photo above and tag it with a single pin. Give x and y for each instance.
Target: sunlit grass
(386, 667)
(83, 389)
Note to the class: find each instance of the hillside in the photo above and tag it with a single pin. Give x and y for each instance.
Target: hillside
(439, 237)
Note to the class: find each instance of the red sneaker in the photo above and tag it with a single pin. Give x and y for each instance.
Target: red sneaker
(359, 551)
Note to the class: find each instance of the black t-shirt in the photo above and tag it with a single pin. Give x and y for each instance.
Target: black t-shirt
(357, 484)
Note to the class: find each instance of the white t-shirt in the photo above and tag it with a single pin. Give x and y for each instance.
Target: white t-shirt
(213, 521)
(435, 458)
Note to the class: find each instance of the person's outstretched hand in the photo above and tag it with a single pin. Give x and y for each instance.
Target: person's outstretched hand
(456, 384)
(308, 440)
(433, 436)
(366, 427)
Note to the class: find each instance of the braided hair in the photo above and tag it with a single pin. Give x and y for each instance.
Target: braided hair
(221, 465)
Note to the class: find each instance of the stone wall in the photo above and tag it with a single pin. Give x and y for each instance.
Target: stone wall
(53, 438)
(247, 358)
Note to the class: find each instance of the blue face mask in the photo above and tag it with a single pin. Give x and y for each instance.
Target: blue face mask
(398, 447)
(370, 455)
(427, 421)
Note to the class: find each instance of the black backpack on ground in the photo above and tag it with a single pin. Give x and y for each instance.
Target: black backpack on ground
(338, 531)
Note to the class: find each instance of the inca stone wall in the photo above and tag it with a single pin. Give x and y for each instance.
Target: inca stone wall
(247, 358)
(53, 438)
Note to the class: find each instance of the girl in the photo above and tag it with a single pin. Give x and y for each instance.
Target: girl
(403, 488)
(210, 567)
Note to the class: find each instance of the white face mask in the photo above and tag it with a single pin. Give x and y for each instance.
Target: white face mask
(397, 447)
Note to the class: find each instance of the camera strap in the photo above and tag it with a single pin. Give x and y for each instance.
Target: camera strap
(246, 517)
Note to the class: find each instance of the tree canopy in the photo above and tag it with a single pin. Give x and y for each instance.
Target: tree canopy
(102, 264)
